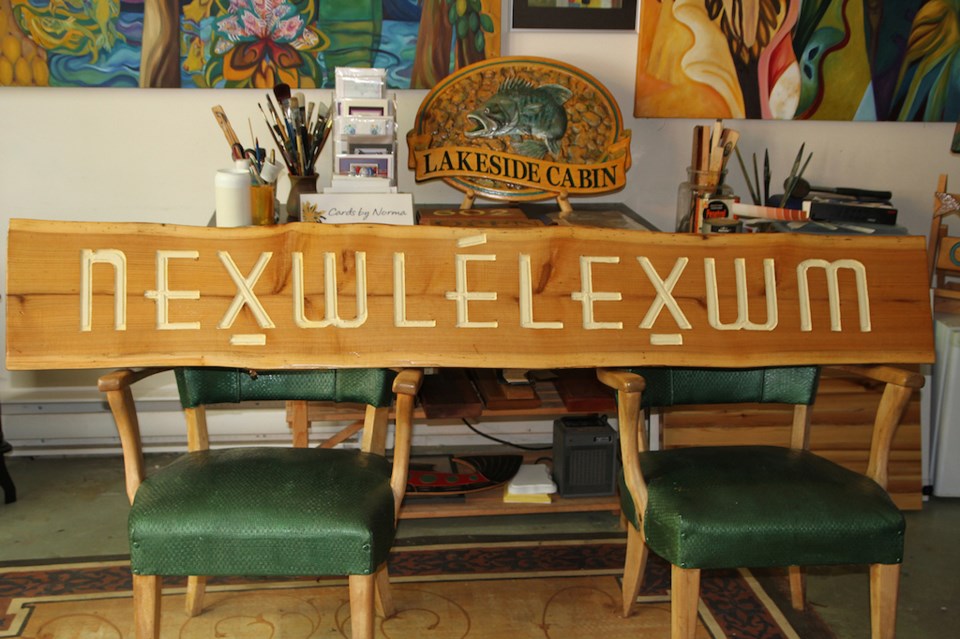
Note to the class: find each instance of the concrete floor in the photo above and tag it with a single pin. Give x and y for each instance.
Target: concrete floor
(76, 507)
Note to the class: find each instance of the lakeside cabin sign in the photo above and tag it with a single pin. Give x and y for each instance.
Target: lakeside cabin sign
(520, 129)
(91, 295)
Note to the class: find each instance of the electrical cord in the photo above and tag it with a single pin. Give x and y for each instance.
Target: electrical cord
(503, 441)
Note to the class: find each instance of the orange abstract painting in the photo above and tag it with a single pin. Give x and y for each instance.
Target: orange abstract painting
(791, 60)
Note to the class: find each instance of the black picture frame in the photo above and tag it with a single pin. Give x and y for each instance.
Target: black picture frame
(623, 18)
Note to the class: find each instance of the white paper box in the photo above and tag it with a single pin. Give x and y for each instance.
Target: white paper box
(531, 479)
(357, 184)
(375, 126)
(365, 107)
(355, 82)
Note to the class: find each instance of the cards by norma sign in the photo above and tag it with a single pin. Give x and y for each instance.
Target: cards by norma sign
(362, 208)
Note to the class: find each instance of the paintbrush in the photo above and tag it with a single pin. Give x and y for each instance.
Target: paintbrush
(788, 189)
(728, 140)
(793, 172)
(766, 176)
(756, 176)
(715, 158)
(282, 92)
(228, 131)
(275, 133)
(746, 176)
(280, 123)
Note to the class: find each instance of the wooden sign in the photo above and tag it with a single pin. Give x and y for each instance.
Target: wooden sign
(90, 295)
(521, 128)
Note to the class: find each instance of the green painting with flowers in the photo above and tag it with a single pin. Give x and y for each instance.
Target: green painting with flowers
(240, 43)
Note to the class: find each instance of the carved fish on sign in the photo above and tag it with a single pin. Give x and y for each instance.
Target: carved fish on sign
(519, 108)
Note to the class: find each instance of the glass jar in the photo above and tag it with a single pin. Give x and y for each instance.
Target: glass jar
(699, 184)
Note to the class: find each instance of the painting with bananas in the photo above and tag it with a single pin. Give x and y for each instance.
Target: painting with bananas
(240, 43)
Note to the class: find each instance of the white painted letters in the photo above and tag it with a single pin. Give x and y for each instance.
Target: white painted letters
(245, 294)
(831, 270)
(587, 296)
(400, 296)
(664, 293)
(118, 260)
(162, 294)
(330, 302)
(462, 296)
(743, 310)
(526, 298)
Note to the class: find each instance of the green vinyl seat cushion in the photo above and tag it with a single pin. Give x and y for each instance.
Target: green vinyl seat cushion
(264, 511)
(763, 506)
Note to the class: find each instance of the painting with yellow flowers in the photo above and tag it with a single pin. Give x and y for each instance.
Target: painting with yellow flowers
(885, 60)
(240, 43)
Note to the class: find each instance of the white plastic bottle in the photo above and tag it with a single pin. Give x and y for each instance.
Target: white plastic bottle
(232, 187)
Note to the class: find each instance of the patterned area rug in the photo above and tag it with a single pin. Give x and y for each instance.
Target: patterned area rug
(537, 590)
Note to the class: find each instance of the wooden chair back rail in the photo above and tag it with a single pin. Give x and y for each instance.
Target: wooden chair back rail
(943, 253)
(937, 228)
(88, 295)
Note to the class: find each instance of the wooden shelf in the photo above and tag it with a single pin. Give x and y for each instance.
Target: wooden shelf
(490, 502)
(551, 406)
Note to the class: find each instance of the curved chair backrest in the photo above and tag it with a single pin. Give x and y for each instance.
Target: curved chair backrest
(671, 386)
(201, 385)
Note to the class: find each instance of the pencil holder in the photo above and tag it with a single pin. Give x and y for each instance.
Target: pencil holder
(263, 204)
(299, 184)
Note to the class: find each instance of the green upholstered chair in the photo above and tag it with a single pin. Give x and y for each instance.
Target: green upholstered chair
(755, 506)
(266, 511)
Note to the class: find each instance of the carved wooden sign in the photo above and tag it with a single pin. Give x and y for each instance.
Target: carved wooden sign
(521, 128)
(86, 295)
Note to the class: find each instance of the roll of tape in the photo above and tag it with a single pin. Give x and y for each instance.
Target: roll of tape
(722, 225)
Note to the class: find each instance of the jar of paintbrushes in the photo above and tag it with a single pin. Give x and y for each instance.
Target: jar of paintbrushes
(299, 129)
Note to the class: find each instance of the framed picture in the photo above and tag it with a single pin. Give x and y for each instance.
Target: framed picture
(575, 14)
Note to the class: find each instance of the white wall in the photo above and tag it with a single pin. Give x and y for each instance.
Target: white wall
(150, 155)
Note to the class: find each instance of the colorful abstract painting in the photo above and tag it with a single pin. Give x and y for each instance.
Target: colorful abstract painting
(873, 60)
(240, 43)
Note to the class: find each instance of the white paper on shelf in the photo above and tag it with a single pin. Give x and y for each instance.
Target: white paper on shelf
(531, 479)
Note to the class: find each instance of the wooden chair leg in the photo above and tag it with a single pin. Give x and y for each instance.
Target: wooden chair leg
(362, 589)
(384, 596)
(196, 586)
(299, 424)
(633, 568)
(884, 588)
(798, 588)
(146, 606)
(684, 599)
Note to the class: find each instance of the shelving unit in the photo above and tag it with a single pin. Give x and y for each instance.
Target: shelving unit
(841, 430)
(484, 502)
